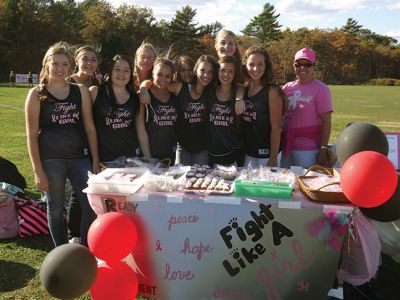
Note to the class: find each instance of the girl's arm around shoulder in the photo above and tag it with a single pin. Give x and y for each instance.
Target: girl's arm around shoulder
(240, 106)
(175, 87)
(90, 129)
(142, 133)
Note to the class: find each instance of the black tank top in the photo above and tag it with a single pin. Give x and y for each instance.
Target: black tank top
(224, 134)
(256, 124)
(62, 134)
(115, 125)
(161, 126)
(192, 121)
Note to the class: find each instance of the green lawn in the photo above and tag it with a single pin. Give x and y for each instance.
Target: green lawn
(20, 259)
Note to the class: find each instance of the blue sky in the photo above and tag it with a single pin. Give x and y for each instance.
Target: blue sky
(382, 17)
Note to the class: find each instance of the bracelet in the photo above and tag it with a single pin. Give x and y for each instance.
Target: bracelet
(239, 99)
(323, 147)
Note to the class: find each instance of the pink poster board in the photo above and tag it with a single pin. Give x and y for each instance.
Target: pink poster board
(394, 146)
(228, 247)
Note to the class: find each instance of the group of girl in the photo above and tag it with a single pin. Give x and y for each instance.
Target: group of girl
(210, 117)
(223, 111)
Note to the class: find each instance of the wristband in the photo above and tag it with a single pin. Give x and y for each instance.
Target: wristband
(323, 147)
(239, 99)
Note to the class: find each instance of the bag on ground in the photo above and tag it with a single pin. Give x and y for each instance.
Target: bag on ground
(32, 217)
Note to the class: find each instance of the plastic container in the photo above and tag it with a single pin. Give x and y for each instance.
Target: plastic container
(117, 180)
(263, 189)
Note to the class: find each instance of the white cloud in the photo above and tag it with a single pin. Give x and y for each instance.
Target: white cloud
(315, 7)
(294, 14)
(394, 34)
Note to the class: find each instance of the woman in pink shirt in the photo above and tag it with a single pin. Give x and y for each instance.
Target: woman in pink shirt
(307, 122)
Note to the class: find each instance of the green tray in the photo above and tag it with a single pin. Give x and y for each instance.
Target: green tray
(264, 189)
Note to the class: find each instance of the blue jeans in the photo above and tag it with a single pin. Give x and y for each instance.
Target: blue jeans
(299, 158)
(57, 171)
(189, 159)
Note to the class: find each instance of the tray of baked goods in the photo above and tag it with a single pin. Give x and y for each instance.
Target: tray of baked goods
(204, 180)
(208, 185)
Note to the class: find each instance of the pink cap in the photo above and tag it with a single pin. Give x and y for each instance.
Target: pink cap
(306, 53)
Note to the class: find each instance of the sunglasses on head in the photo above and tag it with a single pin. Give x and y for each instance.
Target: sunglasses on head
(306, 65)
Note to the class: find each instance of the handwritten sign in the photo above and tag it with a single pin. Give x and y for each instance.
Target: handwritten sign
(394, 145)
(200, 250)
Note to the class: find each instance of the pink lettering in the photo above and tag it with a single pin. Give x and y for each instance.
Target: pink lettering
(267, 280)
(181, 220)
(196, 249)
(177, 275)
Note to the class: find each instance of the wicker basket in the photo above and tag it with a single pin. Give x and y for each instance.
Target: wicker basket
(318, 195)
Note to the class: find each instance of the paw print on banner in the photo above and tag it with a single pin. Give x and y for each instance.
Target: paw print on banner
(233, 223)
(235, 253)
(303, 286)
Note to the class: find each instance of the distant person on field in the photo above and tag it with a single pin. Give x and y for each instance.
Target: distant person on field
(60, 135)
(307, 122)
(30, 79)
(12, 79)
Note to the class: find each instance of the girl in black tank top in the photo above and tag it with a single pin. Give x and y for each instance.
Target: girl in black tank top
(261, 108)
(115, 106)
(193, 103)
(87, 60)
(157, 121)
(61, 113)
(224, 136)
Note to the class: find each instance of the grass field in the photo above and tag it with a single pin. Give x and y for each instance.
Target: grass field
(20, 259)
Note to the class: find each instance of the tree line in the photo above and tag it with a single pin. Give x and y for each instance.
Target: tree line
(351, 54)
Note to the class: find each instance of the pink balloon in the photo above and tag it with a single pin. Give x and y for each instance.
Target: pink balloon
(368, 179)
(112, 236)
(116, 281)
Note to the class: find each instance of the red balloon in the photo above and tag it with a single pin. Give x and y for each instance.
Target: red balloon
(112, 236)
(116, 281)
(368, 179)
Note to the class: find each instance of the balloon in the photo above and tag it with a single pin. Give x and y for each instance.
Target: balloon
(68, 271)
(387, 212)
(368, 179)
(116, 281)
(360, 137)
(112, 236)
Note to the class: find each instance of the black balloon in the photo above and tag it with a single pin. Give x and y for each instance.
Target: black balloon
(359, 137)
(388, 211)
(68, 271)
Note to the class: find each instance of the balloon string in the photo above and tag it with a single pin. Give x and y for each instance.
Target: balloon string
(397, 228)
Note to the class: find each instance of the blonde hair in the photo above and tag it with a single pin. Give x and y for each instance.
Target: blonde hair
(55, 49)
(223, 33)
(144, 45)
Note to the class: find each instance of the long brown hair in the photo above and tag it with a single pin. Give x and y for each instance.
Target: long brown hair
(268, 76)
